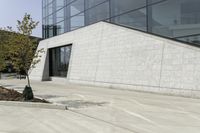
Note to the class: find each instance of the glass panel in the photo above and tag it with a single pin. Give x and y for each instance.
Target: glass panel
(50, 9)
(172, 18)
(59, 61)
(44, 12)
(91, 3)
(190, 12)
(43, 3)
(44, 22)
(98, 13)
(136, 19)
(154, 1)
(50, 20)
(121, 6)
(51, 31)
(49, 1)
(60, 15)
(60, 28)
(175, 18)
(76, 7)
(191, 39)
(59, 4)
(69, 1)
(43, 31)
(77, 21)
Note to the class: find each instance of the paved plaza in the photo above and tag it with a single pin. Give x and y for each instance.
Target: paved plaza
(100, 110)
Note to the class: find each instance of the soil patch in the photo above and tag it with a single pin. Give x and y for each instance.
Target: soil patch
(12, 95)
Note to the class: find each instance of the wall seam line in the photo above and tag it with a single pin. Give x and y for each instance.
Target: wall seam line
(161, 65)
(98, 56)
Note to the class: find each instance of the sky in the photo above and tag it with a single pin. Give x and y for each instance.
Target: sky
(13, 10)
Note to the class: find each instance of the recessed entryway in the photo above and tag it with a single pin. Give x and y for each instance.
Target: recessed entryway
(59, 58)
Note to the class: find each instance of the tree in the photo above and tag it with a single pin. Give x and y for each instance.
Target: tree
(22, 51)
(2, 59)
(4, 35)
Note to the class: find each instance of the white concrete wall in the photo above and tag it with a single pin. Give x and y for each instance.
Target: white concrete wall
(108, 55)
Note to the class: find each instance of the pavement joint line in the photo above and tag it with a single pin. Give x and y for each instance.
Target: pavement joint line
(34, 105)
(104, 121)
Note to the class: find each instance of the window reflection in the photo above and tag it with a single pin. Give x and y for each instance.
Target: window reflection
(176, 18)
(100, 12)
(60, 15)
(195, 39)
(169, 18)
(76, 7)
(136, 19)
(92, 3)
(77, 21)
(121, 6)
(60, 4)
(59, 61)
(50, 8)
(50, 31)
(50, 20)
(60, 28)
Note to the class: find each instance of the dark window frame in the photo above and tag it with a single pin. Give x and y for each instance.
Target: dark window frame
(50, 51)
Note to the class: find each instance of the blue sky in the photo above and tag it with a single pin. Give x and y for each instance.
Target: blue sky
(13, 10)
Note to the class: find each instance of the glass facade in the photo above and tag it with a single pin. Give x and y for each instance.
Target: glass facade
(59, 61)
(178, 19)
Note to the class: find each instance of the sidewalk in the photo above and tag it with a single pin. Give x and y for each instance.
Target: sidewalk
(102, 110)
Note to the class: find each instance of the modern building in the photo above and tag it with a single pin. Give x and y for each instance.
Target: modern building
(144, 45)
(179, 19)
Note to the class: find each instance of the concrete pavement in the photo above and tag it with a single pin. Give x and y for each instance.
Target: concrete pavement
(29, 120)
(100, 110)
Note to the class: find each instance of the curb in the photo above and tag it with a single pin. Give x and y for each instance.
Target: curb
(33, 105)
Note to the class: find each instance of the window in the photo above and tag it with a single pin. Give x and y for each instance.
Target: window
(76, 7)
(135, 19)
(122, 6)
(60, 28)
(60, 4)
(190, 12)
(91, 3)
(69, 1)
(50, 1)
(50, 31)
(44, 12)
(50, 8)
(59, 61)
(98, 13)
(154, 1)
(175, 18)
(77, 21)
(60, 15)
(50, 20)
(195, 39)
(43, 3)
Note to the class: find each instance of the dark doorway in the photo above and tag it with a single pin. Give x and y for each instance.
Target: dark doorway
(59, 58)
